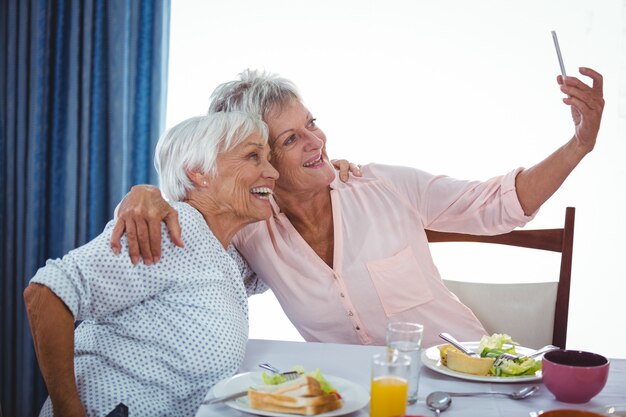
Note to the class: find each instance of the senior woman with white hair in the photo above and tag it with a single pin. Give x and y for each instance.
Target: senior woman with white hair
(344, 259)
(156, 338)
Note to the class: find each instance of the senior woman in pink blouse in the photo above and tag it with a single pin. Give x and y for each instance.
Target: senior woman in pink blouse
(343, 259)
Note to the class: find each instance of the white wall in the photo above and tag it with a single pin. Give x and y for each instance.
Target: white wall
(456, 87)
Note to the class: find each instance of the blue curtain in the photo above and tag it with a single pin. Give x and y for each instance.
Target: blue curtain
(82, 99)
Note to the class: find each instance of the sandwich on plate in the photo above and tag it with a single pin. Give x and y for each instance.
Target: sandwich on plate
(303, 396)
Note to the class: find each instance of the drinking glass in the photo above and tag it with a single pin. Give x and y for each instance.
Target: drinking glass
(390, 384)
(406, 338)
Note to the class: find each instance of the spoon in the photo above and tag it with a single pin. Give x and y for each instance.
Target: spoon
(516, 395)
(438, 401)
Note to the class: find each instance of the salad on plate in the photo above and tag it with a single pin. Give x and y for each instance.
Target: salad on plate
(490, 349)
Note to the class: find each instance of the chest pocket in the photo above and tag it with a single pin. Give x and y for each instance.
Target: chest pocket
(399, 282)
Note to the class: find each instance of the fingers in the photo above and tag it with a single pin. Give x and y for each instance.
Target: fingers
(345, 168)
(144, 241)
(154, 237)
(355, 169)
(133, 245)
(140, 214)
(590, 96)
(587, 105)
(173, 226)
(598, 80)
(116, 236)
(131, 238)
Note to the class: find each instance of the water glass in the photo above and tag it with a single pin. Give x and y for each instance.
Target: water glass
(406, 338)
(390, 384)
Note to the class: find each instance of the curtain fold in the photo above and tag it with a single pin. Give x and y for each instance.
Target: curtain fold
(82, 100)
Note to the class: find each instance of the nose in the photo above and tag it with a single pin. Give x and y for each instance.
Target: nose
(313, 141)
(269, 171)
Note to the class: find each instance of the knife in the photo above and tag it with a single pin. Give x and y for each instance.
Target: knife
(225, 398)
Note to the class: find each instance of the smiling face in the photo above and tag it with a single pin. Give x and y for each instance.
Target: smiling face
(298, 149)
(245, 179)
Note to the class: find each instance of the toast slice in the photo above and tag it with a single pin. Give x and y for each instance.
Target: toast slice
(302, 396)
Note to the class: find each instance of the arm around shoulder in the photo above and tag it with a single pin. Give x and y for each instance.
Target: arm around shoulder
(139, 215)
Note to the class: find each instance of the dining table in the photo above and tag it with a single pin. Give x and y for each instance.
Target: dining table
(353, 363)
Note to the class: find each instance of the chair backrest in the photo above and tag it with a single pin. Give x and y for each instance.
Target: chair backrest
(525, 308)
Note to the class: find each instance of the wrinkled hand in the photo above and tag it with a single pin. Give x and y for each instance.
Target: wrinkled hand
(346, 167)
(139, 215)
(586, 103)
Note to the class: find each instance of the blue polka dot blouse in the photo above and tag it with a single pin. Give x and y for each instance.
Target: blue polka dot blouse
(157, 337)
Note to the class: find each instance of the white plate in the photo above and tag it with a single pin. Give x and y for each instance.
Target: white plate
(354, 396)
(431, 359)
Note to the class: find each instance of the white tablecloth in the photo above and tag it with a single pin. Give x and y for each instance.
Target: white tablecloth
(352, 362)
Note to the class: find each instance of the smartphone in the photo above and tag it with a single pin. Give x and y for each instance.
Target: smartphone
(558, 53)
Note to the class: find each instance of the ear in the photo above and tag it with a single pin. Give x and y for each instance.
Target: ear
(198, 179)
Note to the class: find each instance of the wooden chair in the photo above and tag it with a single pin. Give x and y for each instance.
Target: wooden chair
(533, 314)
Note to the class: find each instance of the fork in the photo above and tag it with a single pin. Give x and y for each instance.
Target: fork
(289, 375)
(450, 339)
(510, 357)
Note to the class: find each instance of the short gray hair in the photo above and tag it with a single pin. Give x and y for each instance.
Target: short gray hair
(194, 145)
(255, 92)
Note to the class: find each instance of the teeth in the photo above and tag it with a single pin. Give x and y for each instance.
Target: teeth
(317, 161)
(261, 190)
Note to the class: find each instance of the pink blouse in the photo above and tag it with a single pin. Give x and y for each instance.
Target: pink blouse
(382, 266)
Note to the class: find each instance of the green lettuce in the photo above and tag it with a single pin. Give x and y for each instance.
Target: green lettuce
(279, 379)
(494, 346)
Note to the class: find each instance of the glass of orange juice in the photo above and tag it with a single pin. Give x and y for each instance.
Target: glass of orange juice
(390, 384)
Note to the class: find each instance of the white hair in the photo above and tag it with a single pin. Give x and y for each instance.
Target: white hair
(194, 145)
(255, 92)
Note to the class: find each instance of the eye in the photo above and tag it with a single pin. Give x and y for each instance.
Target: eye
(253, 156)
(312, 124)
(291, 139)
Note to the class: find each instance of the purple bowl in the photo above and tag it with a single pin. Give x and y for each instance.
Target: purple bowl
(574, 376)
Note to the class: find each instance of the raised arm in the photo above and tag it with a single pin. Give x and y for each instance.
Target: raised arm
(139, 215)
(536, 184)
(52, 327)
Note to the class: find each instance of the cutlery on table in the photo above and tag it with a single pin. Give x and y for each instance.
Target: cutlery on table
(438, 401)
(508, 356)
(520, 394)
(504, 356)
(218, 400)
(450, 339)
(289, 375)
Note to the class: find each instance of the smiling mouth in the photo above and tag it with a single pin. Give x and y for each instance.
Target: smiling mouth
(262, 192)
(315, 163)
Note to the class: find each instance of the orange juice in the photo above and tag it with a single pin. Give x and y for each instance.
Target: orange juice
(389, 396)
